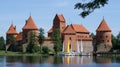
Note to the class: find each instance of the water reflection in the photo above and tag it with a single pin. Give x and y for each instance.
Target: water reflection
(77, 59)
(50, 61)
(58, 60)
(103, 60)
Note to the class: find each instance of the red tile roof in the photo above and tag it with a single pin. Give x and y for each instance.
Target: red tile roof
(69, 30)
(30, 24)
(19, 37)
(12, 30)
(79, 28)
(103, 26)
(51, 30)
(60, 17)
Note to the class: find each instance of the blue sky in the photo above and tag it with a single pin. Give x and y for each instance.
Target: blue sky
(43, 12)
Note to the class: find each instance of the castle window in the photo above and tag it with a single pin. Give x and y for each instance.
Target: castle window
(102, 40)
(106, 36)
(82, 36)
(107, 40)
(100, 36)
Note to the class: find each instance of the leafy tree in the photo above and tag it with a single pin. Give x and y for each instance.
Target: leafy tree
(89, 6)
(114, 42)
(118, 41)
(11, 39)
(92, 35)
(45, 50)
(2, 43)
(32, 46)
(41, 37)
(56, 38)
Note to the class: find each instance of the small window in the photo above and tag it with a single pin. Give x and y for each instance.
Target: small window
(107, 40)
(82, 36)
(100, 36)
(102, 40)
(106, 36)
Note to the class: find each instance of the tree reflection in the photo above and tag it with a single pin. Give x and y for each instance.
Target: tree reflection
(57, 60)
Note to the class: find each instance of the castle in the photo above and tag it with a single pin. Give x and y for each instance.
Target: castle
(73, 32)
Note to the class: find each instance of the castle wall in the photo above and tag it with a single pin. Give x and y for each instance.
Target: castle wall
(72, 39)
(49, 44)
(104, 43)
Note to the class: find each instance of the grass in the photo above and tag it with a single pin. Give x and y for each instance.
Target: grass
(9, 53)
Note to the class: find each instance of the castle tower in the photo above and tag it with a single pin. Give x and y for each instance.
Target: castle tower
(11, 31)
(28, 27)
(58, 23)
(103, 37)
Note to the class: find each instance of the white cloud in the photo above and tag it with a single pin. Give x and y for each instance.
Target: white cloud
(62, 4)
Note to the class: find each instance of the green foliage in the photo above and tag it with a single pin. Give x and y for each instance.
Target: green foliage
(32, 46)
(19, 48)
(35, 48)
(2, 43)
(11, 39)
(116, 41)
(45, 50)
(57, 60)
(89, 7)
(41, 37)
(92, 35)
(56, 38)
(12, 47)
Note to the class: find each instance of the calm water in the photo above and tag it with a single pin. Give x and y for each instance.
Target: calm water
(51, 61)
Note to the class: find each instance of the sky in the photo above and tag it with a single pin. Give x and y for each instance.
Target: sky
(44, 11)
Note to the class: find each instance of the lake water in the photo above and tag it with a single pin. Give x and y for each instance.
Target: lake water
(51, 61)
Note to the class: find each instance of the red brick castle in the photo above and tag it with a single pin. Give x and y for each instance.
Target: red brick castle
(73, 32)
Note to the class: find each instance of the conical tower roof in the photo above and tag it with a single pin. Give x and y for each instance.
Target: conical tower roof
(12, 30)
(30, 25)
(103, 26)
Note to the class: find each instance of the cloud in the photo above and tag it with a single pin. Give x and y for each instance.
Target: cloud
(62, 4)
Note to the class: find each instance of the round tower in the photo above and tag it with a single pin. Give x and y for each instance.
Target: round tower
(103, 37)
(30, 26)
(12, 32)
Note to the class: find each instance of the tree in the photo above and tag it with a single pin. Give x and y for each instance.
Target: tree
(114, 42)
(56, 38)
(45, 50)
(41, 37)
(11, 39)
(11, 43)
(118, 41)
(32, 46)
(89, 7)
(2, 43)
(92, 35)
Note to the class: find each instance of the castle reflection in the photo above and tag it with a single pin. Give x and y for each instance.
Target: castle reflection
(77, 59)
(59, 60)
